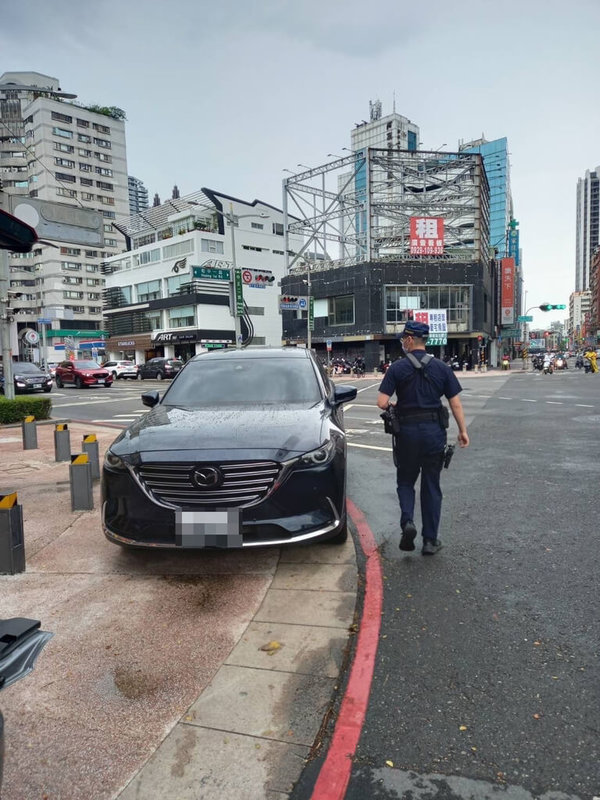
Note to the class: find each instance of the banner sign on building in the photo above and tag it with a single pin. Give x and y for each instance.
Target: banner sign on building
(513, 244)
(437, 320)
(507, 291)
(426, 236)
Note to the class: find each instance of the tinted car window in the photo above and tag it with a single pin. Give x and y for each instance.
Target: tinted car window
(25, 367)
(174, 362)
(246, 381)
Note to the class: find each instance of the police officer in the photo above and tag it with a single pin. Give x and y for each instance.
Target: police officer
(419, 381)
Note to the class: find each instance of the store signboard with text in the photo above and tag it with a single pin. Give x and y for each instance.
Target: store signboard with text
(437, 319)
(507, 291)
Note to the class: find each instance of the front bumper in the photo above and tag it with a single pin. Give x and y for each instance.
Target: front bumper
(309, 505)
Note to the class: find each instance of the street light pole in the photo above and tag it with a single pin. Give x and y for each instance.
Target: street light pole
(9, 386)
(308, 319)
(236, 318)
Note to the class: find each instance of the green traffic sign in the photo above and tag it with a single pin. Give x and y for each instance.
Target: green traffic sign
(311, 314)
(524, 319)
(239, 293)
(212, 273)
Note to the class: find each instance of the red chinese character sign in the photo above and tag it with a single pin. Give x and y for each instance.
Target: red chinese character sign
(426, 236)
(507, 294)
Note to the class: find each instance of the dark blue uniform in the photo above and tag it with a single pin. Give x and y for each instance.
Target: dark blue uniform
(421, 441)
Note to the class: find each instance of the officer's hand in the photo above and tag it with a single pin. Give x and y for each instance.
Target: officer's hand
(463, 439)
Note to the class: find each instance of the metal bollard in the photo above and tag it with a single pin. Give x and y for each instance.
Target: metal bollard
(90, 446)
(12, 544)
(29, 430)
(80, 475)
(62, 443)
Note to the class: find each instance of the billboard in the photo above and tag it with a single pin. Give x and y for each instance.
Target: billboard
(507, 291)
(437, 320)
(426, 236)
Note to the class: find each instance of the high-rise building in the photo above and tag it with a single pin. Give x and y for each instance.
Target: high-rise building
(579, 317)
(138, 195)
(497, 168)
(587, 233)
(54, 149)
(392, 132)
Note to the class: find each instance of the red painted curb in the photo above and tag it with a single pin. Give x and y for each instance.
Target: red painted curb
(334, 775)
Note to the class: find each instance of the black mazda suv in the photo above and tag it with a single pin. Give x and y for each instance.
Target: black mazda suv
(245, 448)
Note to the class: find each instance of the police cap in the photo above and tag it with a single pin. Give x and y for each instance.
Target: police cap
(418, 329)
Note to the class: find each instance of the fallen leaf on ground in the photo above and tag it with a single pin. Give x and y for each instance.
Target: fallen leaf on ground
(271, 647)
(389, 763)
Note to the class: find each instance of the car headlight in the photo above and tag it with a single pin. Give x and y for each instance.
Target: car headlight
(316, 458)
(113, 461)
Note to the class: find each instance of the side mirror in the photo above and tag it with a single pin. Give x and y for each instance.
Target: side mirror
(150, 398)
(343, 394)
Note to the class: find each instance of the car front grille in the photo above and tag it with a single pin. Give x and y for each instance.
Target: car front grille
(243, 483)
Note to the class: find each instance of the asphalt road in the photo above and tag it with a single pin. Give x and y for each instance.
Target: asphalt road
(487, 681)
(121, 404)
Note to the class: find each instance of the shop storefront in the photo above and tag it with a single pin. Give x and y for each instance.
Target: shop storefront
(185, 344)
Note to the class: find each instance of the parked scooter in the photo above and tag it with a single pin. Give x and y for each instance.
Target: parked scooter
(21, 642)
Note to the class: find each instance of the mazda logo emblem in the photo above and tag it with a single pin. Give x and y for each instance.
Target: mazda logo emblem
(207, 477)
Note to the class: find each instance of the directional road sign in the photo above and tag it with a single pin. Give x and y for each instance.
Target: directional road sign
(524, 319)
(212, 273)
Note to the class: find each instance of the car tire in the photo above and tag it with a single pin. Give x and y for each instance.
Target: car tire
(159, 376)
(78, 383)
(108, 385)
(140, 377)
(341, 536)
(59, 383)
(49, 389)
(115, 376)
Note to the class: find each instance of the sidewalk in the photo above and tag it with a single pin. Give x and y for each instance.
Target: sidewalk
(163, 678)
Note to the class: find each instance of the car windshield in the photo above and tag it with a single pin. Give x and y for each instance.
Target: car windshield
(86, 365)
(247, 381)
(25, 367)
(175, 363)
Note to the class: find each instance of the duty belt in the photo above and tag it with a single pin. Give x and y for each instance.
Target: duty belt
(420, 416)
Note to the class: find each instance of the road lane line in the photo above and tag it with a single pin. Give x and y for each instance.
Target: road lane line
(554, 403)
(582, 405)
(334, 775)
(370, 447)
(527, 400)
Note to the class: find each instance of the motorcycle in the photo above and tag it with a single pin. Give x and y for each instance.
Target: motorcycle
(561, 363)
(548, 369)
(21, 642)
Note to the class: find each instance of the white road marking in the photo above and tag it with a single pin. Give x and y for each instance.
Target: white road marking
(369, 447)
(554, 403)
(504, 398)
(582, 405)
(527, 400)
(364, 388)
(131, 414)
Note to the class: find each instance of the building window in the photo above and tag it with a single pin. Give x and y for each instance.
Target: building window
(257, 226)
(87, 196)
(104, 157)
(83, 123)
(148, 238)
(106, 201)
(72, 280)
(60, 192)
(153, 319)
(66, 178)
(101, 128)
(104, 171)
(106, 186)
(278, 228)
(179, 249)
(73, 295)
(64, 148)
(108, 214)
(70, 265)
(278, 252)
(401, 300)
(340, 310)
(87, 182)
(62, 132)
(211, 246)
(107, 227)
(110, 242)
(92, 267)
(175, 282)
(256, 249)
(148, 257)
(85, 167)
(84, 153)
(61, 117)
(94, 310)
(149, 290)
(102, 143)
(182, 317)
(83, 137)
(70, 251)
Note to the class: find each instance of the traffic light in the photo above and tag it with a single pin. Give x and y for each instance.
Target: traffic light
(262, 277)
(288, 299)
(550, 306)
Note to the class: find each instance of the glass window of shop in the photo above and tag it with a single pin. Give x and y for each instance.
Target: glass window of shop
(174, 284)
(341, 310)
(182, 317)
(455, 299)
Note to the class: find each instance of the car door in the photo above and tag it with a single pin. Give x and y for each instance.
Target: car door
(66, 372)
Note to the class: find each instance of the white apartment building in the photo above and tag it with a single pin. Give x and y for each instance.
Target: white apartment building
(579, 308)
(393, 132)
(138, 195)
(155, 304)
(54, 149)
(587, 226)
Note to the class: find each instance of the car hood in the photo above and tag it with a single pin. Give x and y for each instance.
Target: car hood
(273, 432)
(91, 371)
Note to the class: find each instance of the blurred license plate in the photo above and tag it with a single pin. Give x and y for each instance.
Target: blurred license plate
(100, 380)
(208, 528)
(37, 385)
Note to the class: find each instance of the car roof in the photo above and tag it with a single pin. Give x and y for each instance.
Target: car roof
(257, 352)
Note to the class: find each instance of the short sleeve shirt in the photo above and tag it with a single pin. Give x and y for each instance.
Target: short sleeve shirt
(413, 389)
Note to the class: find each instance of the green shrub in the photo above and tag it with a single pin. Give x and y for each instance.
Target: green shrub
(16, 410)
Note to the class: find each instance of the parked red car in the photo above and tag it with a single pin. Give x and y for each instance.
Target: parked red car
(82, 373)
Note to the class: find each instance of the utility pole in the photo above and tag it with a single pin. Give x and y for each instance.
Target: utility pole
(236, 318)
(309, 315)
(9, 386)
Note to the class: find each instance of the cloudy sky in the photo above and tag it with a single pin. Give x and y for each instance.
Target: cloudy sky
(229, 93)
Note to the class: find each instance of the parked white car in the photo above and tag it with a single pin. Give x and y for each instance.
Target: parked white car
(121, 369)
